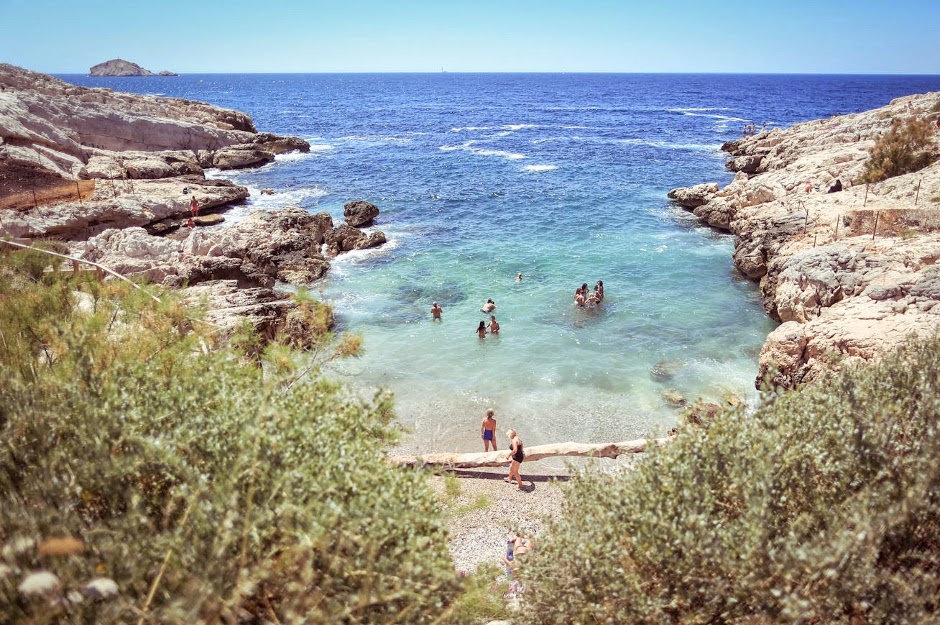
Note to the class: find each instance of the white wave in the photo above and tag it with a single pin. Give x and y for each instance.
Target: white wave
(540, 167)
(281, 198)
(468, 146)
(340, 266)
(723, 118)
(376, 139)
(321, 147)
(296, 155)
(699, 109)
(514, 127)
(471, 128)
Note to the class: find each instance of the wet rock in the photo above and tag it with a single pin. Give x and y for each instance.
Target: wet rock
(360, 213)
(241, 156)
(693, 197)
(665, 370)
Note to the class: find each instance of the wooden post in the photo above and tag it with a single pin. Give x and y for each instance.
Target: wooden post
(814, 239)
(835, 237)
(805, 221)
(917, 193)
(865, 202)
(78, 188)
(875, 229)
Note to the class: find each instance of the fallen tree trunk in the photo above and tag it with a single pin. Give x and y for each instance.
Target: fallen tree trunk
(538, 452)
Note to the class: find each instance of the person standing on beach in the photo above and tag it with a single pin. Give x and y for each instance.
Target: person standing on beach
(481, 330)
(436, 311)
(194, 206)
(488, 431)
(517, 455)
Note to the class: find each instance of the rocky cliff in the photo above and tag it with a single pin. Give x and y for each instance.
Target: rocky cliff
(120, 67)
(78, 132)
(848, 274)
(108, 172)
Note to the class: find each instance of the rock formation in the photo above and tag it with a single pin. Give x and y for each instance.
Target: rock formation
(848, 274)
(120, 67)
(360, 213)
(110, 171)
(81, 133)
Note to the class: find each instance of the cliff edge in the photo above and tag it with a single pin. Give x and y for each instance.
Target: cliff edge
(849, 273)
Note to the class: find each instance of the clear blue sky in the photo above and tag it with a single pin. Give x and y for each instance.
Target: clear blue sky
(187, 36)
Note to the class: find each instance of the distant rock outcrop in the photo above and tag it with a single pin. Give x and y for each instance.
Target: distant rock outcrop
(849, 274)
(120, 67)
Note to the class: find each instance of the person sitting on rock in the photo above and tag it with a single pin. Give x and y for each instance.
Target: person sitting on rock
(836, 187)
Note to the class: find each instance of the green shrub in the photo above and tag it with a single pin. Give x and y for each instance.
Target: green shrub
(906, 147)
(210, 490)
(822, 506)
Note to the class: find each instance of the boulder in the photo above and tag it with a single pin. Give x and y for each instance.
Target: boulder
(360, 213)
(240, 156)
(345, 238)
(228, 305)
(693, 197)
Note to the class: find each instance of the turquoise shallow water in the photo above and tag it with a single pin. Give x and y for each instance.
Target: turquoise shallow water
(560, 177)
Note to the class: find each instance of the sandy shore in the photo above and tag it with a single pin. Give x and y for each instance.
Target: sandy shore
(482, 510)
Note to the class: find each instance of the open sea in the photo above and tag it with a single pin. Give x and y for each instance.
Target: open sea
(560, 177)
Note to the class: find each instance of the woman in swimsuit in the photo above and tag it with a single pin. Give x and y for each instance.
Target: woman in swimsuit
(481, 330)
(517, 455)
(488, 431)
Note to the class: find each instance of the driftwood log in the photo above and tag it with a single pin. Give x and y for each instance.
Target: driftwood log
(538, 452)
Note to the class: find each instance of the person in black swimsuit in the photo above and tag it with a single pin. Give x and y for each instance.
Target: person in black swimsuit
(517, 455)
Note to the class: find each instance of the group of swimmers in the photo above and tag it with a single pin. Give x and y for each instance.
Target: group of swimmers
(584, 297)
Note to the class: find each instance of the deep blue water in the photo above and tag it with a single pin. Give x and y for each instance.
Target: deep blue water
(562, 177)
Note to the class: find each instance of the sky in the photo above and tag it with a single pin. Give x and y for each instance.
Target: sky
(196, 36)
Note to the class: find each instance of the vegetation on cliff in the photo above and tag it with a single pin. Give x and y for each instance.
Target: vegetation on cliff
(906, 147)
(209, 488)
(823, 506)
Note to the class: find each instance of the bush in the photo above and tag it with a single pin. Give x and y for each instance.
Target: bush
(211, 489)
(823, 506)
(906, 147)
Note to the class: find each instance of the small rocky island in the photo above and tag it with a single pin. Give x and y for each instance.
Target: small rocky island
(120, 67)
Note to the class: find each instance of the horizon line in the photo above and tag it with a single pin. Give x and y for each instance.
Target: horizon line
(433, 72)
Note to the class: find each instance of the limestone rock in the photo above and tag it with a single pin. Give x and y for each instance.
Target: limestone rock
(693, 197)
(228, 305)
(120, 204)
(59, 126)
(360, 213)
(240, 156)
(845, 290)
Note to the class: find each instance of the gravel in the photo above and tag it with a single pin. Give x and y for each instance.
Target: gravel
(487, 511)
